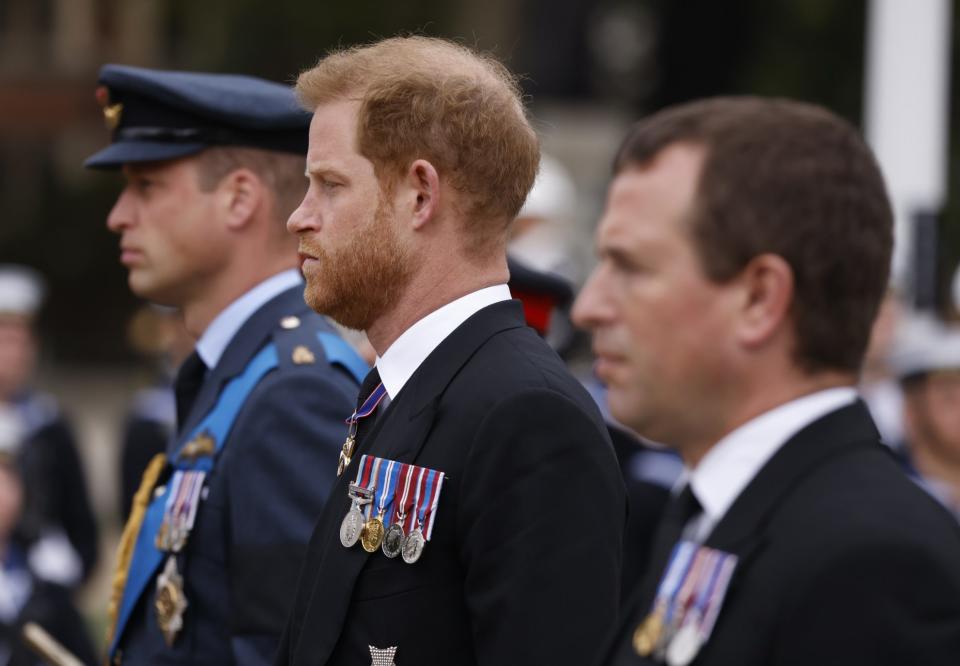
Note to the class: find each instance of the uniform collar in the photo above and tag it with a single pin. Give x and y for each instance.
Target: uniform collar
(730, 465)
(405, 355)
(221, 330)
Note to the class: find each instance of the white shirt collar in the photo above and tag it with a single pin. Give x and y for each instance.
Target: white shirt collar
(731, 463)
(414, 345)
(220, 332)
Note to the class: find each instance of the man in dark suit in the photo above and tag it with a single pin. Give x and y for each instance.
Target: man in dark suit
(208, 562)
(510, 533)
(744, 252)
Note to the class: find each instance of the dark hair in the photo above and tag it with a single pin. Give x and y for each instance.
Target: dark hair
(790, 179)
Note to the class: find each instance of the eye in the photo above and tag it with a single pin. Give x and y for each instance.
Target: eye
(624, 263)
(142, 184)
(330, 185)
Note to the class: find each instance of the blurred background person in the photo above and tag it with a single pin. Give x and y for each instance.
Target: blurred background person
(926, 357)
(156, 333)
(26, 596)
(878, 380)
(57, 518)
(542, 235)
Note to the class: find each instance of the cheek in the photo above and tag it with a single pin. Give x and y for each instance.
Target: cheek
(945, 410)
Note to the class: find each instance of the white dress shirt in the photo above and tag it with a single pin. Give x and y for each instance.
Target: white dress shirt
(730, 465)
(414, 345)
(220, 332)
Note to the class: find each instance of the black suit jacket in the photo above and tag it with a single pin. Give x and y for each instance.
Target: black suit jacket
(524, 562)
(843, 560)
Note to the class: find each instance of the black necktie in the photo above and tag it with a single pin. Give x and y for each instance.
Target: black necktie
(187, 385)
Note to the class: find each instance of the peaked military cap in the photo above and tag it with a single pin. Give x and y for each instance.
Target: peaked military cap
(161, 115)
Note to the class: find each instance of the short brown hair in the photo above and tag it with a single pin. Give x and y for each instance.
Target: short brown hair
(791, 179)
(282, 173)
(433, 99)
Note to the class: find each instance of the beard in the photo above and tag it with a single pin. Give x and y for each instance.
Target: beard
(357, 283)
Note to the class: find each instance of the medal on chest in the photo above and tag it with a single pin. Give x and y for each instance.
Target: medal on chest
(394, 504)
(180, 510)
(353, 521)
(170, 602)
(350, 443)
(371, 536)
(687, 603)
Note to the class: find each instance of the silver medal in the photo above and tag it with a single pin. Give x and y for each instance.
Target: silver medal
(353, 522)
(684, 646)
(413, 545)
(393, 540)
(350, 527)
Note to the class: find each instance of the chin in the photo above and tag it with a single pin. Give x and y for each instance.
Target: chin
(152, 292)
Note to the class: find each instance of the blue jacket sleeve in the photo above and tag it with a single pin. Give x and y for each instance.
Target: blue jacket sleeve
(281, 466)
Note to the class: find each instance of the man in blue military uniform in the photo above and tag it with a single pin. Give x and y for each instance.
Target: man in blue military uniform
(208, 561)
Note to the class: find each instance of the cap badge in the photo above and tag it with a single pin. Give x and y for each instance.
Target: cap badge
(111, 112)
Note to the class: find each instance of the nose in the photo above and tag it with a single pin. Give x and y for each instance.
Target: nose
(304, 218)
(592, 307)
(122, 214)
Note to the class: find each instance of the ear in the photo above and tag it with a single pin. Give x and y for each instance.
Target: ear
(241, 193)
(767, 288)
(423, 187)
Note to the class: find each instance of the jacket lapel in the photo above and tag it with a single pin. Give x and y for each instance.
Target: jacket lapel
(398, 435)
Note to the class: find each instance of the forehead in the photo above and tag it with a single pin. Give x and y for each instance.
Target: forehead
(333, 130)
(654, 195)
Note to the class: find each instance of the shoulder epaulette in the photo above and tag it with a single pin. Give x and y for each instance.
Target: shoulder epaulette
(309, 339)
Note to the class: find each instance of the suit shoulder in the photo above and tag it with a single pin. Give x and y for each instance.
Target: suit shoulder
(862, 501)
(517, 360)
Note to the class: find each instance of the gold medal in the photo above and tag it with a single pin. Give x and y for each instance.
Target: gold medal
(201, 446)
(371, 536)
(647, 635)
(170, 602)
(346, 453)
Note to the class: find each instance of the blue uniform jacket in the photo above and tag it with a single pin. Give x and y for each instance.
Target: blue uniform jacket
(261, 501)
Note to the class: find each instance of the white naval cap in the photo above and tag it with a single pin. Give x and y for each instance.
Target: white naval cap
(21, 290)
(925, 344)
(553, 194)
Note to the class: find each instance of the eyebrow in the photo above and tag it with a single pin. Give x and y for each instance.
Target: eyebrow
(322, 169)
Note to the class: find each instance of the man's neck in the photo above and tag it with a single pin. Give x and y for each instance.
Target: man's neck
(428, 291)
(200, 311)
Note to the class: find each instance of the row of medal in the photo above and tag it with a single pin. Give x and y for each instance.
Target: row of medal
(180, 510)
(393, 506)
(687, 604)
(179, 515)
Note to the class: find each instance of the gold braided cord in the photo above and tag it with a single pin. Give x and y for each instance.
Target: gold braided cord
(129, 539)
